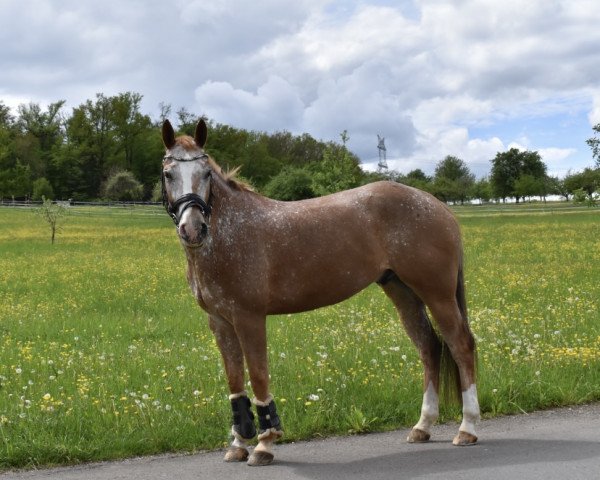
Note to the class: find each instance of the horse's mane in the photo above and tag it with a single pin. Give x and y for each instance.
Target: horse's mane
(229, 177)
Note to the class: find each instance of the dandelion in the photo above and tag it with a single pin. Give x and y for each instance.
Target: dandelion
(313, 398)
(18, 371)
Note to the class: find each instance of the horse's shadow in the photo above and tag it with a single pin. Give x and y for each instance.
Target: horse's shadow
(424, 462)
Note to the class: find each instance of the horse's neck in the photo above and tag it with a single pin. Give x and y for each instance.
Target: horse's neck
(235, 207)
(233, 213)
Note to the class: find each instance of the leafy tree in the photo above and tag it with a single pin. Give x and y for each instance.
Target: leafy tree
(69, 178)
(508, 166)
(187, 121)
(453, 180)
(527, 186)
(53, 214)
(557, 186)
(91, 139)
(123, 186)
(128, 124)
(338, 170)
(482, 190)
(16, 182)
(6, 119)
(226, 144)
(256, 162)
(39, 133)
(307, 150)
(415, 178)
(165, 112)
(587, 180)
(7, 134)
(594, 144)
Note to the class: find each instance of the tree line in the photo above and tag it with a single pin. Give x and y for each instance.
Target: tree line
(107, 148)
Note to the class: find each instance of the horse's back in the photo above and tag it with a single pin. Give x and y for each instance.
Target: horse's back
(328, 248)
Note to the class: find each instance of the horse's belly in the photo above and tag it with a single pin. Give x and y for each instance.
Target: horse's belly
(300, 293)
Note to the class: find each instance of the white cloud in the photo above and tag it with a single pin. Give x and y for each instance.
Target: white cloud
(430, 82)
(554, 158)
(594, 115)
(275, 105)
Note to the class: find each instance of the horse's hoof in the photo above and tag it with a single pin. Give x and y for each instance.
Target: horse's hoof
(236, 454)
(464, 439)
(418, 436)
(260, 459)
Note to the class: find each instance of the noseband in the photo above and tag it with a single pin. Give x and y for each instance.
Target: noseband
(185, 201)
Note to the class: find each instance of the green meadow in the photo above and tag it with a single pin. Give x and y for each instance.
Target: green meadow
(104, 353)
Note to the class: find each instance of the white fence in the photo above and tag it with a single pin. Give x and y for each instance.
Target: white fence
(96, 208)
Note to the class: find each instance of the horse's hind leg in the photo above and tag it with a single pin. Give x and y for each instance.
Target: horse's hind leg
(457, 335)
(419, 329)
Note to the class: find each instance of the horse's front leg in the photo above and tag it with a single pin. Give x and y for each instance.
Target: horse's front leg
(252, 335)
(243, 428)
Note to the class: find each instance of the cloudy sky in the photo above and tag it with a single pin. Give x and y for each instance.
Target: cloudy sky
(434, 77)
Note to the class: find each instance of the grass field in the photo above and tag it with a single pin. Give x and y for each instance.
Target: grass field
(104, 353)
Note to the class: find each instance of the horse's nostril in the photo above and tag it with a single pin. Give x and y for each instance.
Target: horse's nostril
(182, 231)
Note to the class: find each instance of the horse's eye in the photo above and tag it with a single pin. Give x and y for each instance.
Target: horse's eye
(168, 175)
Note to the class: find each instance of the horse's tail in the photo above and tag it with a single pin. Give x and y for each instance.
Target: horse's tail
(450, 386)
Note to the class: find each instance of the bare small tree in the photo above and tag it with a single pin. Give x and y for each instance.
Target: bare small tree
(53, 213)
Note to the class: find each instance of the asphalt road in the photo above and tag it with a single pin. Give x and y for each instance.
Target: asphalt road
(555, 444)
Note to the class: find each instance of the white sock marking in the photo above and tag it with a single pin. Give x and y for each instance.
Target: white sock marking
(470, 410)
(429, 410)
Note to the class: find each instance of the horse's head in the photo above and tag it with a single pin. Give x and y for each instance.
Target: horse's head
(186, 183)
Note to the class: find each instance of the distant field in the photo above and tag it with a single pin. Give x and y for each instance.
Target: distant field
(104, 353)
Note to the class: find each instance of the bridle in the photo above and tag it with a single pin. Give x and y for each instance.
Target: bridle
(187, 200)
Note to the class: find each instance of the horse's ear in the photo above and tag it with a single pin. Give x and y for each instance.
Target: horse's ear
(201, 133)
(168, 134)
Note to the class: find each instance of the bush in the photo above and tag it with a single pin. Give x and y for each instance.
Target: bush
(123, 186)
(157, 192)
(290, 184)
(41, 189)
(579, 196)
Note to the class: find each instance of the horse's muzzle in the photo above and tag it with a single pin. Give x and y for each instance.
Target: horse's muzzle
(193, 233)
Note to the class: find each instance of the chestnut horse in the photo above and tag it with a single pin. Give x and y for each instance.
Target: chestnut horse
(249, 256)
